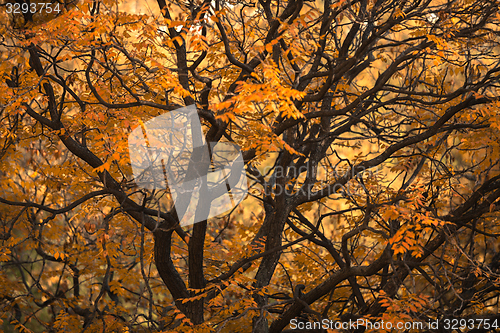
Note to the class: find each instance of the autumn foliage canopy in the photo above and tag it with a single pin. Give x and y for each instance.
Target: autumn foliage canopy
(370, 134)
